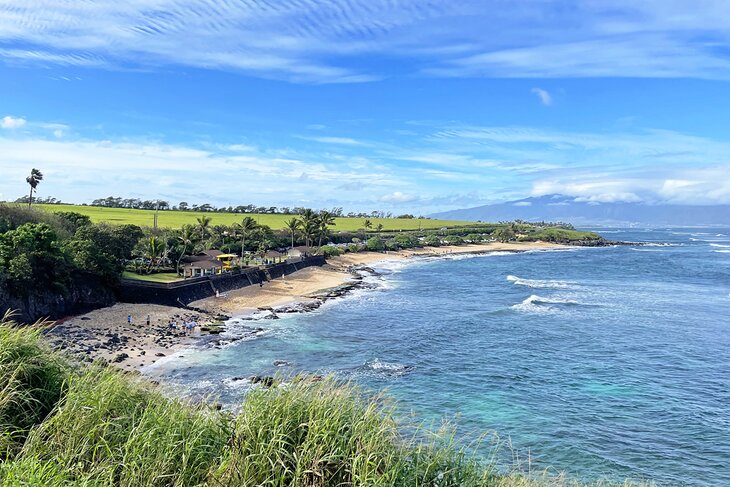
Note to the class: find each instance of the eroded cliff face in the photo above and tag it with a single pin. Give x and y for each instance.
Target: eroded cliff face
(85, 292)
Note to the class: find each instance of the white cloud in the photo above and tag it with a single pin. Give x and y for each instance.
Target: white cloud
(545, 97)
(80, 170)
(310, 41)
(523, 203)
(333, 140)
(398, 197)
(10, 122)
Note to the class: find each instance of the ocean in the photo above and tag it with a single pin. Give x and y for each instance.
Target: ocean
(604, 363)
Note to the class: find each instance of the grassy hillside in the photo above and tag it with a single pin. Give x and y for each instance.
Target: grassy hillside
(97, 426)
(176, 219)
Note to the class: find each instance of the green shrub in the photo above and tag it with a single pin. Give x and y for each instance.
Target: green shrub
(330, 251)
(375, 244)
(454, 240)
(432, 241)
(474, 238)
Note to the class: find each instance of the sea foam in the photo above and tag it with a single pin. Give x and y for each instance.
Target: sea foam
(539, 283)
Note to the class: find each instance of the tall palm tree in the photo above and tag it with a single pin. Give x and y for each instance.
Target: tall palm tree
(203, 226)
(34, 179)
(186, 238)
(379, 228)
(367, 225)
(248, 224)
(310, 225)
(324, 220)
(153, 250)
(293, 225)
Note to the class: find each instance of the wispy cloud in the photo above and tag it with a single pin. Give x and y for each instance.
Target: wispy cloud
(544, 96)
(319, 42)
(333, 140)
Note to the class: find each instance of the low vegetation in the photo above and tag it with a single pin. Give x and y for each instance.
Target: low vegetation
(63, 426)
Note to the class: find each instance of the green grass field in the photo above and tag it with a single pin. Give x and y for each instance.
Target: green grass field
(159, 277)
(176, 219)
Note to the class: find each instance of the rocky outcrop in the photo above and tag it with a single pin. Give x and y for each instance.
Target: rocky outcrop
(84, 293)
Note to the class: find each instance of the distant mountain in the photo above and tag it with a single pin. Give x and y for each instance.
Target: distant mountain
(566, 209)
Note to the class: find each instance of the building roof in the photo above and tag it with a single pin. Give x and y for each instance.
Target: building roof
(211, 253)
(205, 264)
(302, 248)
(273, 253)
(203, 256)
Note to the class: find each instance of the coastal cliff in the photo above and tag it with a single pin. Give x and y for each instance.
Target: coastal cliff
(84, 292)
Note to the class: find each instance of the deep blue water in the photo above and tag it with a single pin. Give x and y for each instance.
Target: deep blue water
(601, 362)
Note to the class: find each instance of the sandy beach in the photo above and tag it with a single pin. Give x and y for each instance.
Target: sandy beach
(106, 334)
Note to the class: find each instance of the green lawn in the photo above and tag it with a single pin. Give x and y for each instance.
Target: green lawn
(161, 277)
(176, 219)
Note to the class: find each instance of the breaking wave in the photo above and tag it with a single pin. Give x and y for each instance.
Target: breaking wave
(540, 283)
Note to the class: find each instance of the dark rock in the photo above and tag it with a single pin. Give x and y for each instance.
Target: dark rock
(120, 357)
(159, 354)
(266, 380)
(281, 363)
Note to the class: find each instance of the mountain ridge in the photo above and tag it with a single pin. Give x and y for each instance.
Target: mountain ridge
(557, 207)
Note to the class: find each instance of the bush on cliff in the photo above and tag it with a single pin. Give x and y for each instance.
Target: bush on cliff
(32, 381)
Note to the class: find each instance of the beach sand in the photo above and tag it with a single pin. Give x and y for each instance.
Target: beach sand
(105, 333)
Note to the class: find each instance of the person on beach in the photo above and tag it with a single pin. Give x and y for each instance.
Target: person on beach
(129, 319)
(148, 320)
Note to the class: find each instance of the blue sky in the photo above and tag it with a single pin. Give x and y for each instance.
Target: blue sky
(401, 105)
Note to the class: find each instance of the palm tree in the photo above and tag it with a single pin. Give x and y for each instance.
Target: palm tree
(248, 224)
(153, 250)
(292, 225)
(309, 226)
(324, 220)
(379, 228)
(367, 225)
(203, 226)
(34, 179)
(186, 238)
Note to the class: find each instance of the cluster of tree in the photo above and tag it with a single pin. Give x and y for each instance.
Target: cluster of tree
(40, 250)
(136, 203)
(48, 200)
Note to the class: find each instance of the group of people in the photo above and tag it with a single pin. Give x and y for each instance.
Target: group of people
(188, 327)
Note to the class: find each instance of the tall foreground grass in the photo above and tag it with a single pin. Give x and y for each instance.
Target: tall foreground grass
(101, 427)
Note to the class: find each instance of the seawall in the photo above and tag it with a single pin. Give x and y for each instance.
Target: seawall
(185, 292)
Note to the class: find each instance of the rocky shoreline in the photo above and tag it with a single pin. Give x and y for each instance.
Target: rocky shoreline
(105, 334)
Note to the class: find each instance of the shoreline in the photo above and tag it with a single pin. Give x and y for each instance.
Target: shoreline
(105, 333)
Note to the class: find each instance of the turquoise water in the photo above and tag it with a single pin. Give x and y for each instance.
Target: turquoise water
(601, 362)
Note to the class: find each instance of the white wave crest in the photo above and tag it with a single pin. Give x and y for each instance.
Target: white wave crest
(540, 283)
(543, 305)
(387, 368)
(720, 246)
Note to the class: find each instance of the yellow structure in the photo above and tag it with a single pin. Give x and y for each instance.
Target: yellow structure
(228, 260)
